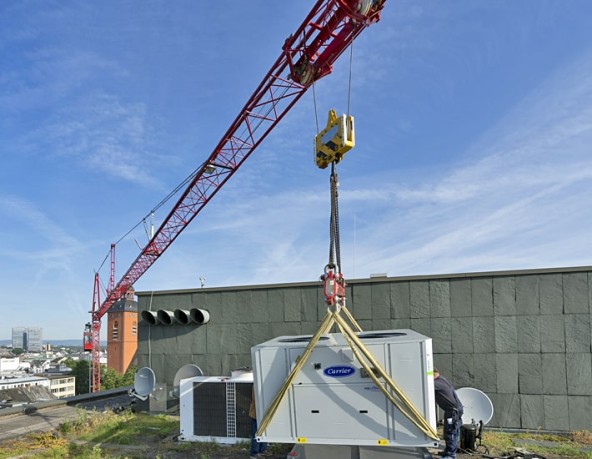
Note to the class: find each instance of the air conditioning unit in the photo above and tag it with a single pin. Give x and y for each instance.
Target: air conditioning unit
(216, 408)
(333, 400)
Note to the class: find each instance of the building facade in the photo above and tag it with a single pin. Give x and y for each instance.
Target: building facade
(62, 385)
(522, 337)
(30, 339)
(122, 333)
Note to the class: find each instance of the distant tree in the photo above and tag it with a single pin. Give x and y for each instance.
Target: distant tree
(80, 369)
(110, 379)
(17, 351)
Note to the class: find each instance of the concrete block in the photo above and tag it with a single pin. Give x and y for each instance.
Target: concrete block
(362, 301)
(551, 293)
(274, 308)
(462, 335)
(213, 365)
(397, 324)
(463, 370)
(530, 374)
(485, 367)
(194, 342)
(308, 328)
(506, 410)
(365, 324)
(157, 363)
(252, 333)
(292, 305)
(552, 333)
(482, 296)
(443, 362)
(532, 412)
(575, 293)
(230, 312)
(260, 310)
(528, 334)
(483, 334)
(422, 326)
(527, 295)
(556, 412)
(213, 304)
(199, 299)
(441, 333)
(506, 335)
(400, 300)
(221, 339)
(580, 412)
(554, 374)
(577, 333)
(504, 296)
(310, 299)
(419, 294)
(381, 300)
(231, 362)
(243, 300)
(439, 298)
(381, 324)
(460, 298)
(285, 328)
(507, 373)
(579, 374)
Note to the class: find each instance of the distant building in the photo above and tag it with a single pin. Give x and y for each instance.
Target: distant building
(61, 385)
(19, 337)
(29, 339)
(122, 332)
(34, 339)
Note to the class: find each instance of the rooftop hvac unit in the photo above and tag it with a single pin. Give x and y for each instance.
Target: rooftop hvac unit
(332, 400)
(216, 408)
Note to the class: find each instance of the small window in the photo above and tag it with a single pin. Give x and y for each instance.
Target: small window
(134, 328)
(115, 334)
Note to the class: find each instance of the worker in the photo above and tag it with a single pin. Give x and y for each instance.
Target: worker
(447, 399)
(257, 449)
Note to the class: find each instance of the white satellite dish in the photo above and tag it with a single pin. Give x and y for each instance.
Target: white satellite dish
(144, 382)
(477, 406)
(186, 371)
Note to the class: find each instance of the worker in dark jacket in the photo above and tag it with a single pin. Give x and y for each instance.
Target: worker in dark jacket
(447, 399)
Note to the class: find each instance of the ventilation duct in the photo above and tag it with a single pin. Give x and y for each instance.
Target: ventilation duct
(199, 316)
(165, 317)
(183, 316)
(150, 317)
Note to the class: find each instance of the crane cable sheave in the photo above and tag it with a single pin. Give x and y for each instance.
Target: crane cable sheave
(333, 142)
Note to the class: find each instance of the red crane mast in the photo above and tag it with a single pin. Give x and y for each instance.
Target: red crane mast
(307, 55)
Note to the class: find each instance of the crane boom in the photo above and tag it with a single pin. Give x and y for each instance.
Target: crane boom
(307, 55)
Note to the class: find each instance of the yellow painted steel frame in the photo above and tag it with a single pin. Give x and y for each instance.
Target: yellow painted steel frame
(333, 142)
(368, 362)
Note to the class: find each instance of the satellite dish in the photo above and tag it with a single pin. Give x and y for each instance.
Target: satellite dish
(186, 371)
(144, 382)
(477, 405)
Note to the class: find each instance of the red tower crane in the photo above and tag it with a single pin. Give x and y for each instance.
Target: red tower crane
(307, 55)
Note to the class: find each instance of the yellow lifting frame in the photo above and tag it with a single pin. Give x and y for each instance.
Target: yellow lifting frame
(368, 362)
(333, 142)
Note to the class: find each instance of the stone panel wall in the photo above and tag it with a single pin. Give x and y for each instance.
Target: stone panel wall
(522, 337)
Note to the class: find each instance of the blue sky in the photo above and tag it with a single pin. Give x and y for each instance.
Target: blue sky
(473, 126)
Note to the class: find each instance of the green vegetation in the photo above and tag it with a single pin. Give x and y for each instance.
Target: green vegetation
(110, 379)
(94, 435)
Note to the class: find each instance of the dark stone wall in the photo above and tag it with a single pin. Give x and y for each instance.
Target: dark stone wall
(522, 337)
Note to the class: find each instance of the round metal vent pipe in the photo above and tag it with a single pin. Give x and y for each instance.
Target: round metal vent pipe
(165, 317)
(183, 316)
(199, 316)
(150, 317)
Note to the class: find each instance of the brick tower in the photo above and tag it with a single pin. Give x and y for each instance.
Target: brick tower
(122, 332)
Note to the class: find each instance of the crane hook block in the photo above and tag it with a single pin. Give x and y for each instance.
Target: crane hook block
(335, 140)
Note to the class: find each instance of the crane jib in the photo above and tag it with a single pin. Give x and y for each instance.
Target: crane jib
(307, 55)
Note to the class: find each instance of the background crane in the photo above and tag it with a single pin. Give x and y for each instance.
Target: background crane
(307, 55)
